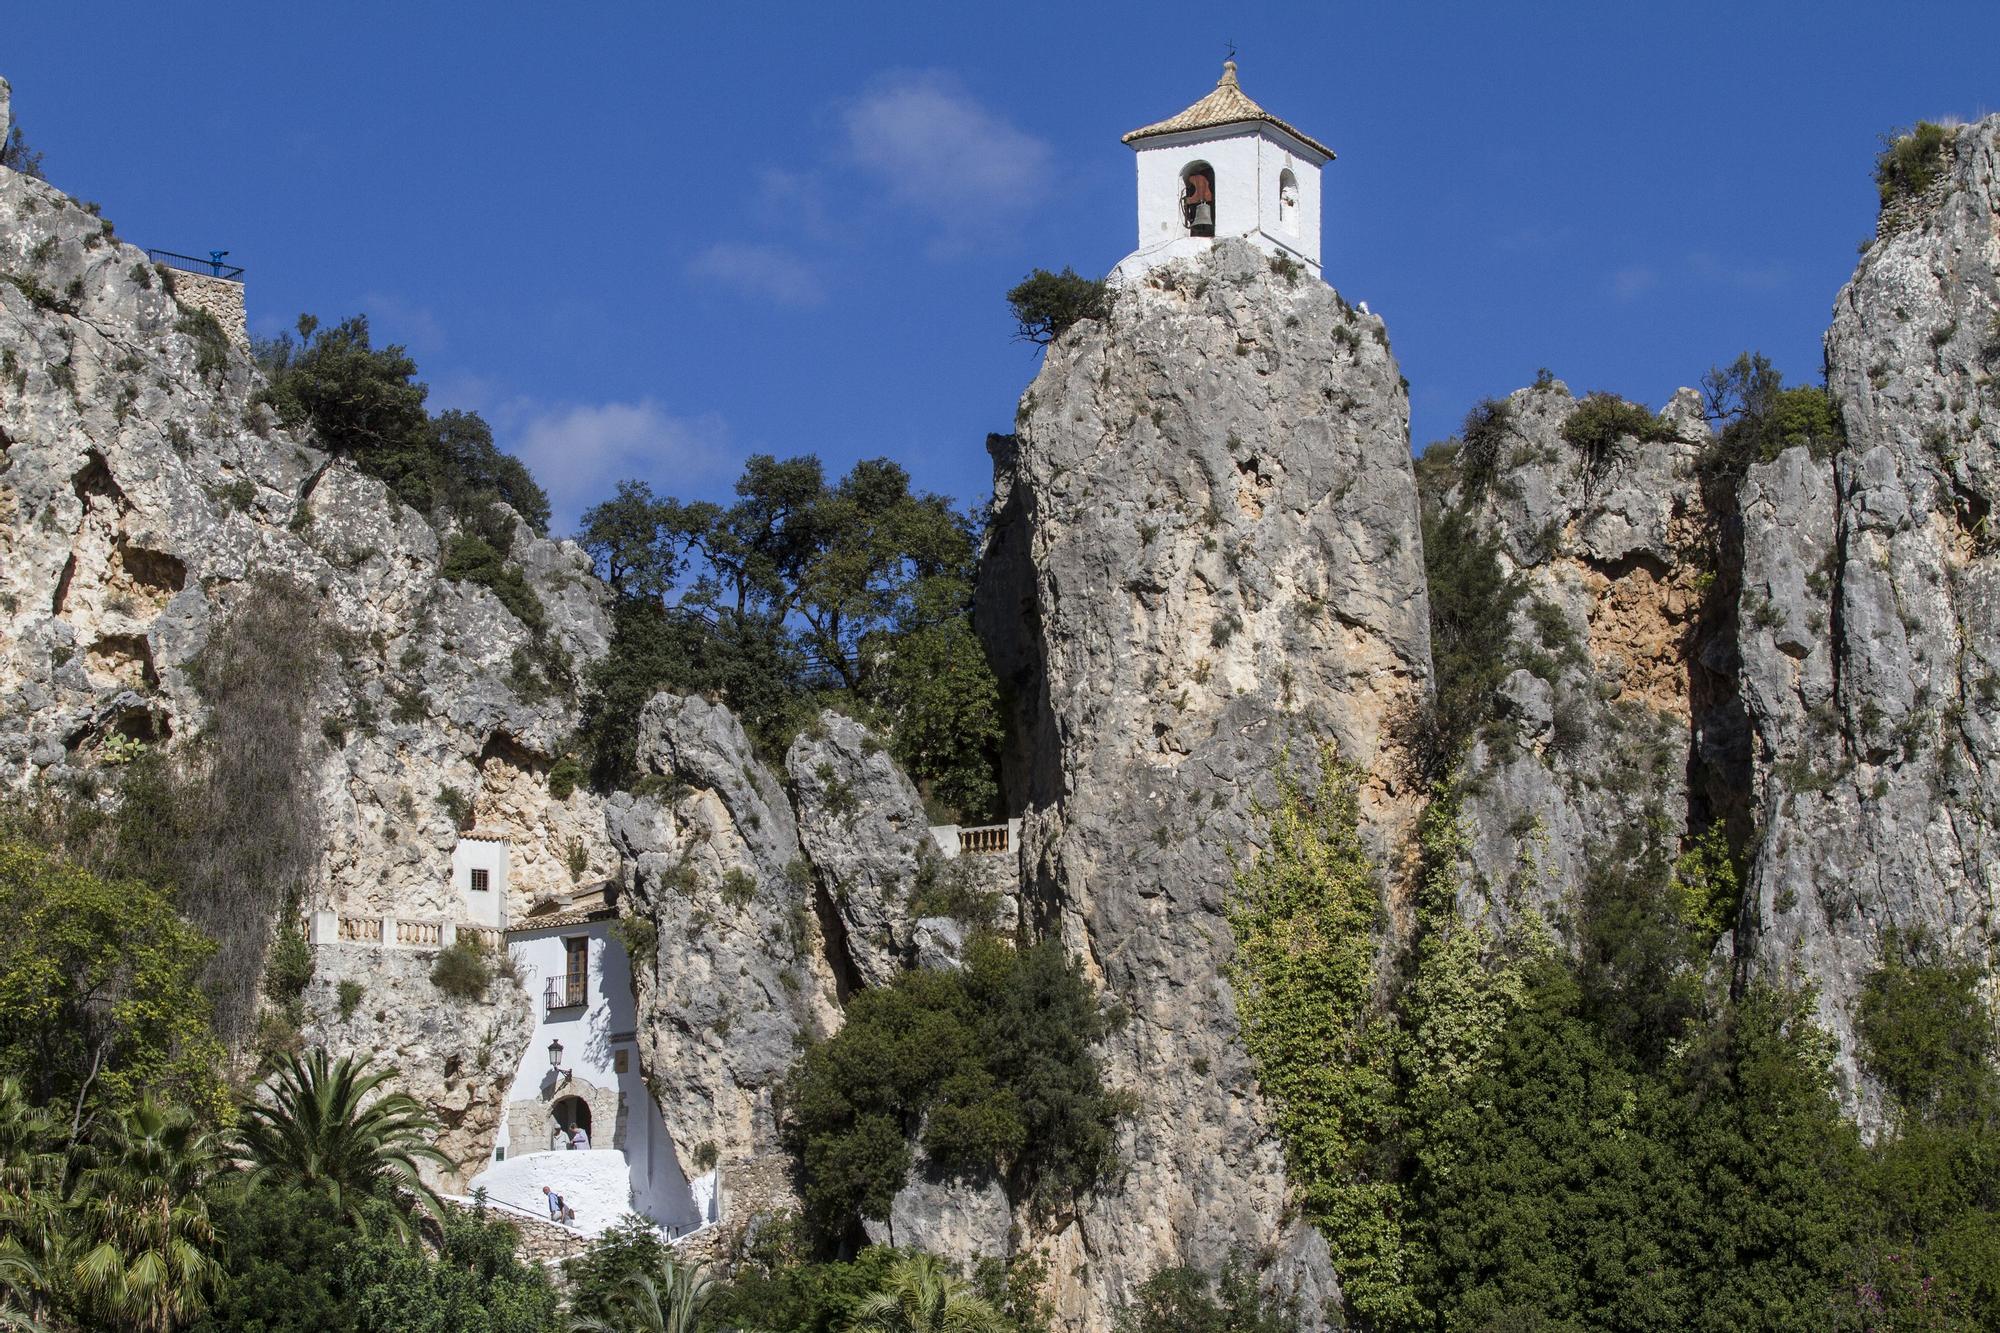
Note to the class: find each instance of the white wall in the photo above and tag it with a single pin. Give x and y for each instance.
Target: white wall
(488, 908)
(592, 1035)
(1247, 160)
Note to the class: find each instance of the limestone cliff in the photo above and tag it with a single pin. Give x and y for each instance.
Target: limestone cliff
(143, 492)
(1205, 559)
(1615, 732)
(1871, 640)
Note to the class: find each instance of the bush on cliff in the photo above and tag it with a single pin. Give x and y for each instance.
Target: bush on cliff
(990, 1068)
(1911, 160)
(1046, 305)
(365, 403)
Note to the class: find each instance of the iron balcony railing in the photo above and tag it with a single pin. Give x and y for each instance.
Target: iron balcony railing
(210, 267)
(564, 992)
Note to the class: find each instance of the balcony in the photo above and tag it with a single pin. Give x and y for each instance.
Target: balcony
(566, 992)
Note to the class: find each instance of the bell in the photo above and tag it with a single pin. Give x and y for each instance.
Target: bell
(1204, 216)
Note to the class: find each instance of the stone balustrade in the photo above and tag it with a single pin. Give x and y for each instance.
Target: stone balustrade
(956, 840)
(393, 932)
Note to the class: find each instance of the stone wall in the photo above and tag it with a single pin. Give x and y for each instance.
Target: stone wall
(221, 297)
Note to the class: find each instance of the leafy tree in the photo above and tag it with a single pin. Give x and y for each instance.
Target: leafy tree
(1187, 1300)
(1758, 418)
(1472, 601)
(99, 990)
(365, 403)
(1046, 305)
(991, 1067)
(15, 155)
(803, 591)
(1602, 419)
(143, 1253)
(327, 1128)
(921, 1294)
(777, 1287)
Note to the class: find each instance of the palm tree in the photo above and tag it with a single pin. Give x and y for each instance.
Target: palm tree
(21, 1284)
(141, 1255)
(321, 1131)
(923, 1295)
(668, 1300)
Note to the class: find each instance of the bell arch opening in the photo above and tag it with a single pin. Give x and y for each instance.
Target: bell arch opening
(1288, 200)
(1198, 198)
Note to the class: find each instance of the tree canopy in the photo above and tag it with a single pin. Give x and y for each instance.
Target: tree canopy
(365, 403)
(803, 591)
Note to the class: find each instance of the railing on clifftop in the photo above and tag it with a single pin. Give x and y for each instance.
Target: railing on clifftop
(212, 267)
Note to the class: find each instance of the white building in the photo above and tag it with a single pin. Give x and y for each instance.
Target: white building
(479, 874)
(580, 1070)
(1225, 167)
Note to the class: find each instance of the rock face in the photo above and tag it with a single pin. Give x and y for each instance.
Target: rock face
(143, 493)
(1871, 641)
(863, 825)
(1206, 551)
(1621, 733)
(738, 974)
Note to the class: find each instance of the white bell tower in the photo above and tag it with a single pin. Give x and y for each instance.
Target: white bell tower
(1225, 167)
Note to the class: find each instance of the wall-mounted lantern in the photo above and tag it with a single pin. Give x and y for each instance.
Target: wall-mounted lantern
(555, 1055)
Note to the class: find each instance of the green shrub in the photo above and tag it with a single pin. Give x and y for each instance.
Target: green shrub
(211, 344)
(288, 969)
(1484, 434)
(994, 1062)
(462, 970)
(1602, 419)
(1046, 305)
(1187, 1300)
(640, 937)
(351, 994)
(1758, 418)
(470, 558)
(564, 776)
(1911, 160)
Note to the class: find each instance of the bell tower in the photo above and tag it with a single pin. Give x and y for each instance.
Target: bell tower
(1225, 167)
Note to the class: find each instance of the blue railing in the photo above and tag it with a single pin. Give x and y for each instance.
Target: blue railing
(212, 266)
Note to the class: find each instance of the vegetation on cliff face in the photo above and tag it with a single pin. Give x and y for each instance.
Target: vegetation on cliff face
(1516, 1138)
(365, 403)
(804, 593)
(989, 1069)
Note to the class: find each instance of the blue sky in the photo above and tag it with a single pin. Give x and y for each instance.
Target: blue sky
(647, 240)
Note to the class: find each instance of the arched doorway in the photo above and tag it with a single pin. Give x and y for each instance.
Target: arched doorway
(569, 1114)
(1198, 198)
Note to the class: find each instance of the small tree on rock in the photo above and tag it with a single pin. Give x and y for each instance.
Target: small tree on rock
(1046, 304)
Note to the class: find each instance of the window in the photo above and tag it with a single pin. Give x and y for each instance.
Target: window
(1288, 200)
(1198, 198)
(479, 881)
(576, 969)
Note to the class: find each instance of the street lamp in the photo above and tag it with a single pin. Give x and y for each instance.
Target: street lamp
(555, 1055)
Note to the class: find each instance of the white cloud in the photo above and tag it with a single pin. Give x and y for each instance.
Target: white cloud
(392, 319)
(1629, 284)
(935, 149)
(580, 452)
(770, 271)
(1736, 273)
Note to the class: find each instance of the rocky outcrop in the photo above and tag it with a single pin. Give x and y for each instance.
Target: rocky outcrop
(1871, 619)
(1205, 559)
(144, 494)
(736, 974)
(862, 823)
(458, 1055)
(1618, 734)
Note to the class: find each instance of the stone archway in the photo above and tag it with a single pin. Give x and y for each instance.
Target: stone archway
(570, 1114)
